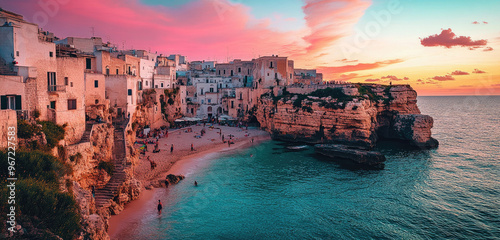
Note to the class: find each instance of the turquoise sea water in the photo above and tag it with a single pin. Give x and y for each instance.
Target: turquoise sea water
(452, 192)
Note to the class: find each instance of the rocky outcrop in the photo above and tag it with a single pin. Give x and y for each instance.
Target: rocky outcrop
(353, 154)
(352, 114)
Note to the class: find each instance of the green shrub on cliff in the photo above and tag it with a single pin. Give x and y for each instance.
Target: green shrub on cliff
(26, 130)
(336, 93)
(53, 132)
(35, 164)
(107, 166)
(39, 201)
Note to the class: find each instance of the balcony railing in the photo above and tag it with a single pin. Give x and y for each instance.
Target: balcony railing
(57, 88)
(22, 114)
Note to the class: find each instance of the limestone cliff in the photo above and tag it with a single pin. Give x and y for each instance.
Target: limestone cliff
(353, 114)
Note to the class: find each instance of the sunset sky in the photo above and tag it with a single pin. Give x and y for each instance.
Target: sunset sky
(446, 47)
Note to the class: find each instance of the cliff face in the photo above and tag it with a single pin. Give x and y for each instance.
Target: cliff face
(350, 114)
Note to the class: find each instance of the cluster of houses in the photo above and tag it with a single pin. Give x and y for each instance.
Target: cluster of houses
(63, 79)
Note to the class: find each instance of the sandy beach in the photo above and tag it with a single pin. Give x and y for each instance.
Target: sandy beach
(181, 161)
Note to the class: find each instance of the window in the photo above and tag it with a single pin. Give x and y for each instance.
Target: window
(71, 104)
(17, 53)
(88, 64)
(71, 84)
(231, 72)
(66, 81)
(53, 104)
(239, 69)
(268, 74)
(209, 100)
(161, 85)
(271, 65)
(117, 71)
(51, 81)
(107, 71)
(11, 102)
(232, 104)
(139, 85)
(224, 71)
(146, 83)
(97, 101)
(249, 71)
(51, 54)
(276, 75)
(201, 92)
(96, 83)
(202, 101)
(211, 89)
(130, 92)
(219, 72)
(241, 96)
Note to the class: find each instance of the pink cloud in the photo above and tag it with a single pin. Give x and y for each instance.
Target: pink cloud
(475, 22)
(485, 22)
(444, 78)
(346, 61)
(330, 20)
(466, 86)
(372, 80)
(357, 67)
(458, 72)
(392, 78)
(478, 71)
(345, 77)
(448, 39)
(488, 49)
(200, 29)
(495, 85)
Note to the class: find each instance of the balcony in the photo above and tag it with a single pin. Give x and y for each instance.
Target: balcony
(57, 88)
(22, 114)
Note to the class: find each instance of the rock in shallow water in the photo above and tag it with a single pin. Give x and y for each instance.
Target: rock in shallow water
(353, 154)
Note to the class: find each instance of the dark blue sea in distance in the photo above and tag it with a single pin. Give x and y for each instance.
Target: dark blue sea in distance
(452, 192)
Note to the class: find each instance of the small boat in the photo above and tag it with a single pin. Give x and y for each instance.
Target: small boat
(297, 148)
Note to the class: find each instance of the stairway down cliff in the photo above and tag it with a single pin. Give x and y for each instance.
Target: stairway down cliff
(351, 114)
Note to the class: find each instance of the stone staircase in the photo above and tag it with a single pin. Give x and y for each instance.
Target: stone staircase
(110, 190)
(86, 134)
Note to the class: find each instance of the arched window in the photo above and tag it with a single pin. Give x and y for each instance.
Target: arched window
(209, 109)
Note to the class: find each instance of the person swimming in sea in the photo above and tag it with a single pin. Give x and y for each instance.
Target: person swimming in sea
(160, 207)
(195, 183)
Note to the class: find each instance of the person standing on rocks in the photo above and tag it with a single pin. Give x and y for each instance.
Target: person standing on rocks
(160, 207)
(171, 148)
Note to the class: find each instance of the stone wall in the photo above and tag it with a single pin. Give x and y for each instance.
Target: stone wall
(7, 119)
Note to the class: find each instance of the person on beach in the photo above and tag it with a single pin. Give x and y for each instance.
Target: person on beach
(160, 207)
(222, 138)
(229, 143)
(171, 148)
(192, 147)
(195, 183)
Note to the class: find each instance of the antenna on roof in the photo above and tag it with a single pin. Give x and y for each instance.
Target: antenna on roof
(92, 31)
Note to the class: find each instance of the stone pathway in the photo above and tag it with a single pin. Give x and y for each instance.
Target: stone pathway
(110, 190)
